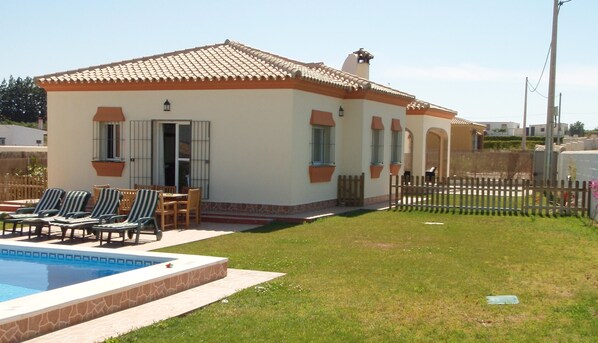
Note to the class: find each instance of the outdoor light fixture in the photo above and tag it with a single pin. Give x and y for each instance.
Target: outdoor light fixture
(341, 111)
(166, 106)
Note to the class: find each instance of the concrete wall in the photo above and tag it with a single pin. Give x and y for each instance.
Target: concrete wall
(581, 166)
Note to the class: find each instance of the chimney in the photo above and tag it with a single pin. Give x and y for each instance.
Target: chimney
(40, 123)
(358, 63)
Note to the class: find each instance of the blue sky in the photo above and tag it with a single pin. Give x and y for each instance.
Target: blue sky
(468, 55)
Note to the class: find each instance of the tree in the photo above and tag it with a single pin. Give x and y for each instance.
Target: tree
(21, 100)
(577, 129)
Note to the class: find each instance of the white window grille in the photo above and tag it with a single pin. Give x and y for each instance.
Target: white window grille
(396, 147)
(322, 152)
(108, 138)
(377, 146)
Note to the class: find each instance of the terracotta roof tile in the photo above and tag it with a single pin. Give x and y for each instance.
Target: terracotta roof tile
(461, 121)
(423, 105)
(227, 61)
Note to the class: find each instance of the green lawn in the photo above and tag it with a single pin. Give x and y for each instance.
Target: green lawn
(387, 277)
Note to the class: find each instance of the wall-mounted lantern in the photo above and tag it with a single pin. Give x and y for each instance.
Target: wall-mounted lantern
(341, 111)
(166, 106)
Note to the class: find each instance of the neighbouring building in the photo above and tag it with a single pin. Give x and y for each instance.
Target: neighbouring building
(466, 135)
(508, 128)
(16, 135)
(540, 130)
(256, 131)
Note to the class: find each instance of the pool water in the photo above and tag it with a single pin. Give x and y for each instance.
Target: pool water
(21, 275)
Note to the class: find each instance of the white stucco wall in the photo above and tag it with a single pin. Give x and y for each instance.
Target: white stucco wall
(250, 143)
(303, 191)
(379, 186)
(260, 140)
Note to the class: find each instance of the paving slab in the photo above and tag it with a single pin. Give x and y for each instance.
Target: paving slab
(119, 323)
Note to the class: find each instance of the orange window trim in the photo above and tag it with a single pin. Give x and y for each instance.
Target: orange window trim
(320, 173)
(321, 118)
(396, 125)
(109, 114)
(377, 123)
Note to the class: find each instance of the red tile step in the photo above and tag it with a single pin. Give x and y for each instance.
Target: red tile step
(234, 218)
(4, 207)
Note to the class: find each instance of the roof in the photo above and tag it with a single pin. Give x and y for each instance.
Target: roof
(229, 61)
(419, 107)
(465, 122)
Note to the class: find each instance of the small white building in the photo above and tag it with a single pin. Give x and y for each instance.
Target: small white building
(540, 130)
(501, 128)
(15, 135)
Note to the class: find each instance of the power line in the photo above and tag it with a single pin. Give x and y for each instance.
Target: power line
(535, 90)
(543, 69)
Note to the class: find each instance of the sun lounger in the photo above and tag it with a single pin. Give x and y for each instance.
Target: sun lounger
(74, 201)
(106, 206)
(49, 201)
(140, 219)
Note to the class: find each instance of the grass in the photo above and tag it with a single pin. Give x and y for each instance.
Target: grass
(387, 276)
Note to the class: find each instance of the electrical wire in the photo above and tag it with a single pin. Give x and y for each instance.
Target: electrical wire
(543, 69)
(535, 90)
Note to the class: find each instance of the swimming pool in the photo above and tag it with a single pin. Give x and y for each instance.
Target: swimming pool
(25, 272)
(162, 275)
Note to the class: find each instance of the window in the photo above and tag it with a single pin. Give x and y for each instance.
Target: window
(2, 140)
(322, 151)
(322, 138)
(108, 134)
(396, 142)
(377, 141)
(541, 129)
(377, 146)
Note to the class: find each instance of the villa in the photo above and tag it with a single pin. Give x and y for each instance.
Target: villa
(258, 132)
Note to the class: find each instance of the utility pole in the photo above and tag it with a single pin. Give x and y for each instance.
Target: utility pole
(524, 137)
(551, 86)
(558, 126)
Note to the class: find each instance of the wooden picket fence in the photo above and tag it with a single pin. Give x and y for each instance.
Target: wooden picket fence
(13, 187)
(490, 196)
(350, 190)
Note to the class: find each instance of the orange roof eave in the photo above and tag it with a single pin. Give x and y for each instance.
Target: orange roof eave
(287, 83)
(399, 100)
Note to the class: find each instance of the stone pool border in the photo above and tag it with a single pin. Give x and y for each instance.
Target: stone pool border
(37, 314)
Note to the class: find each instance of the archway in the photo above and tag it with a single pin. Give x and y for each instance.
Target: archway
(437, 151)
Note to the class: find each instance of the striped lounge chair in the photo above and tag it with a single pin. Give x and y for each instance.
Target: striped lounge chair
(106, 206)
(74, 201)
(140, 219)
(50, 200)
